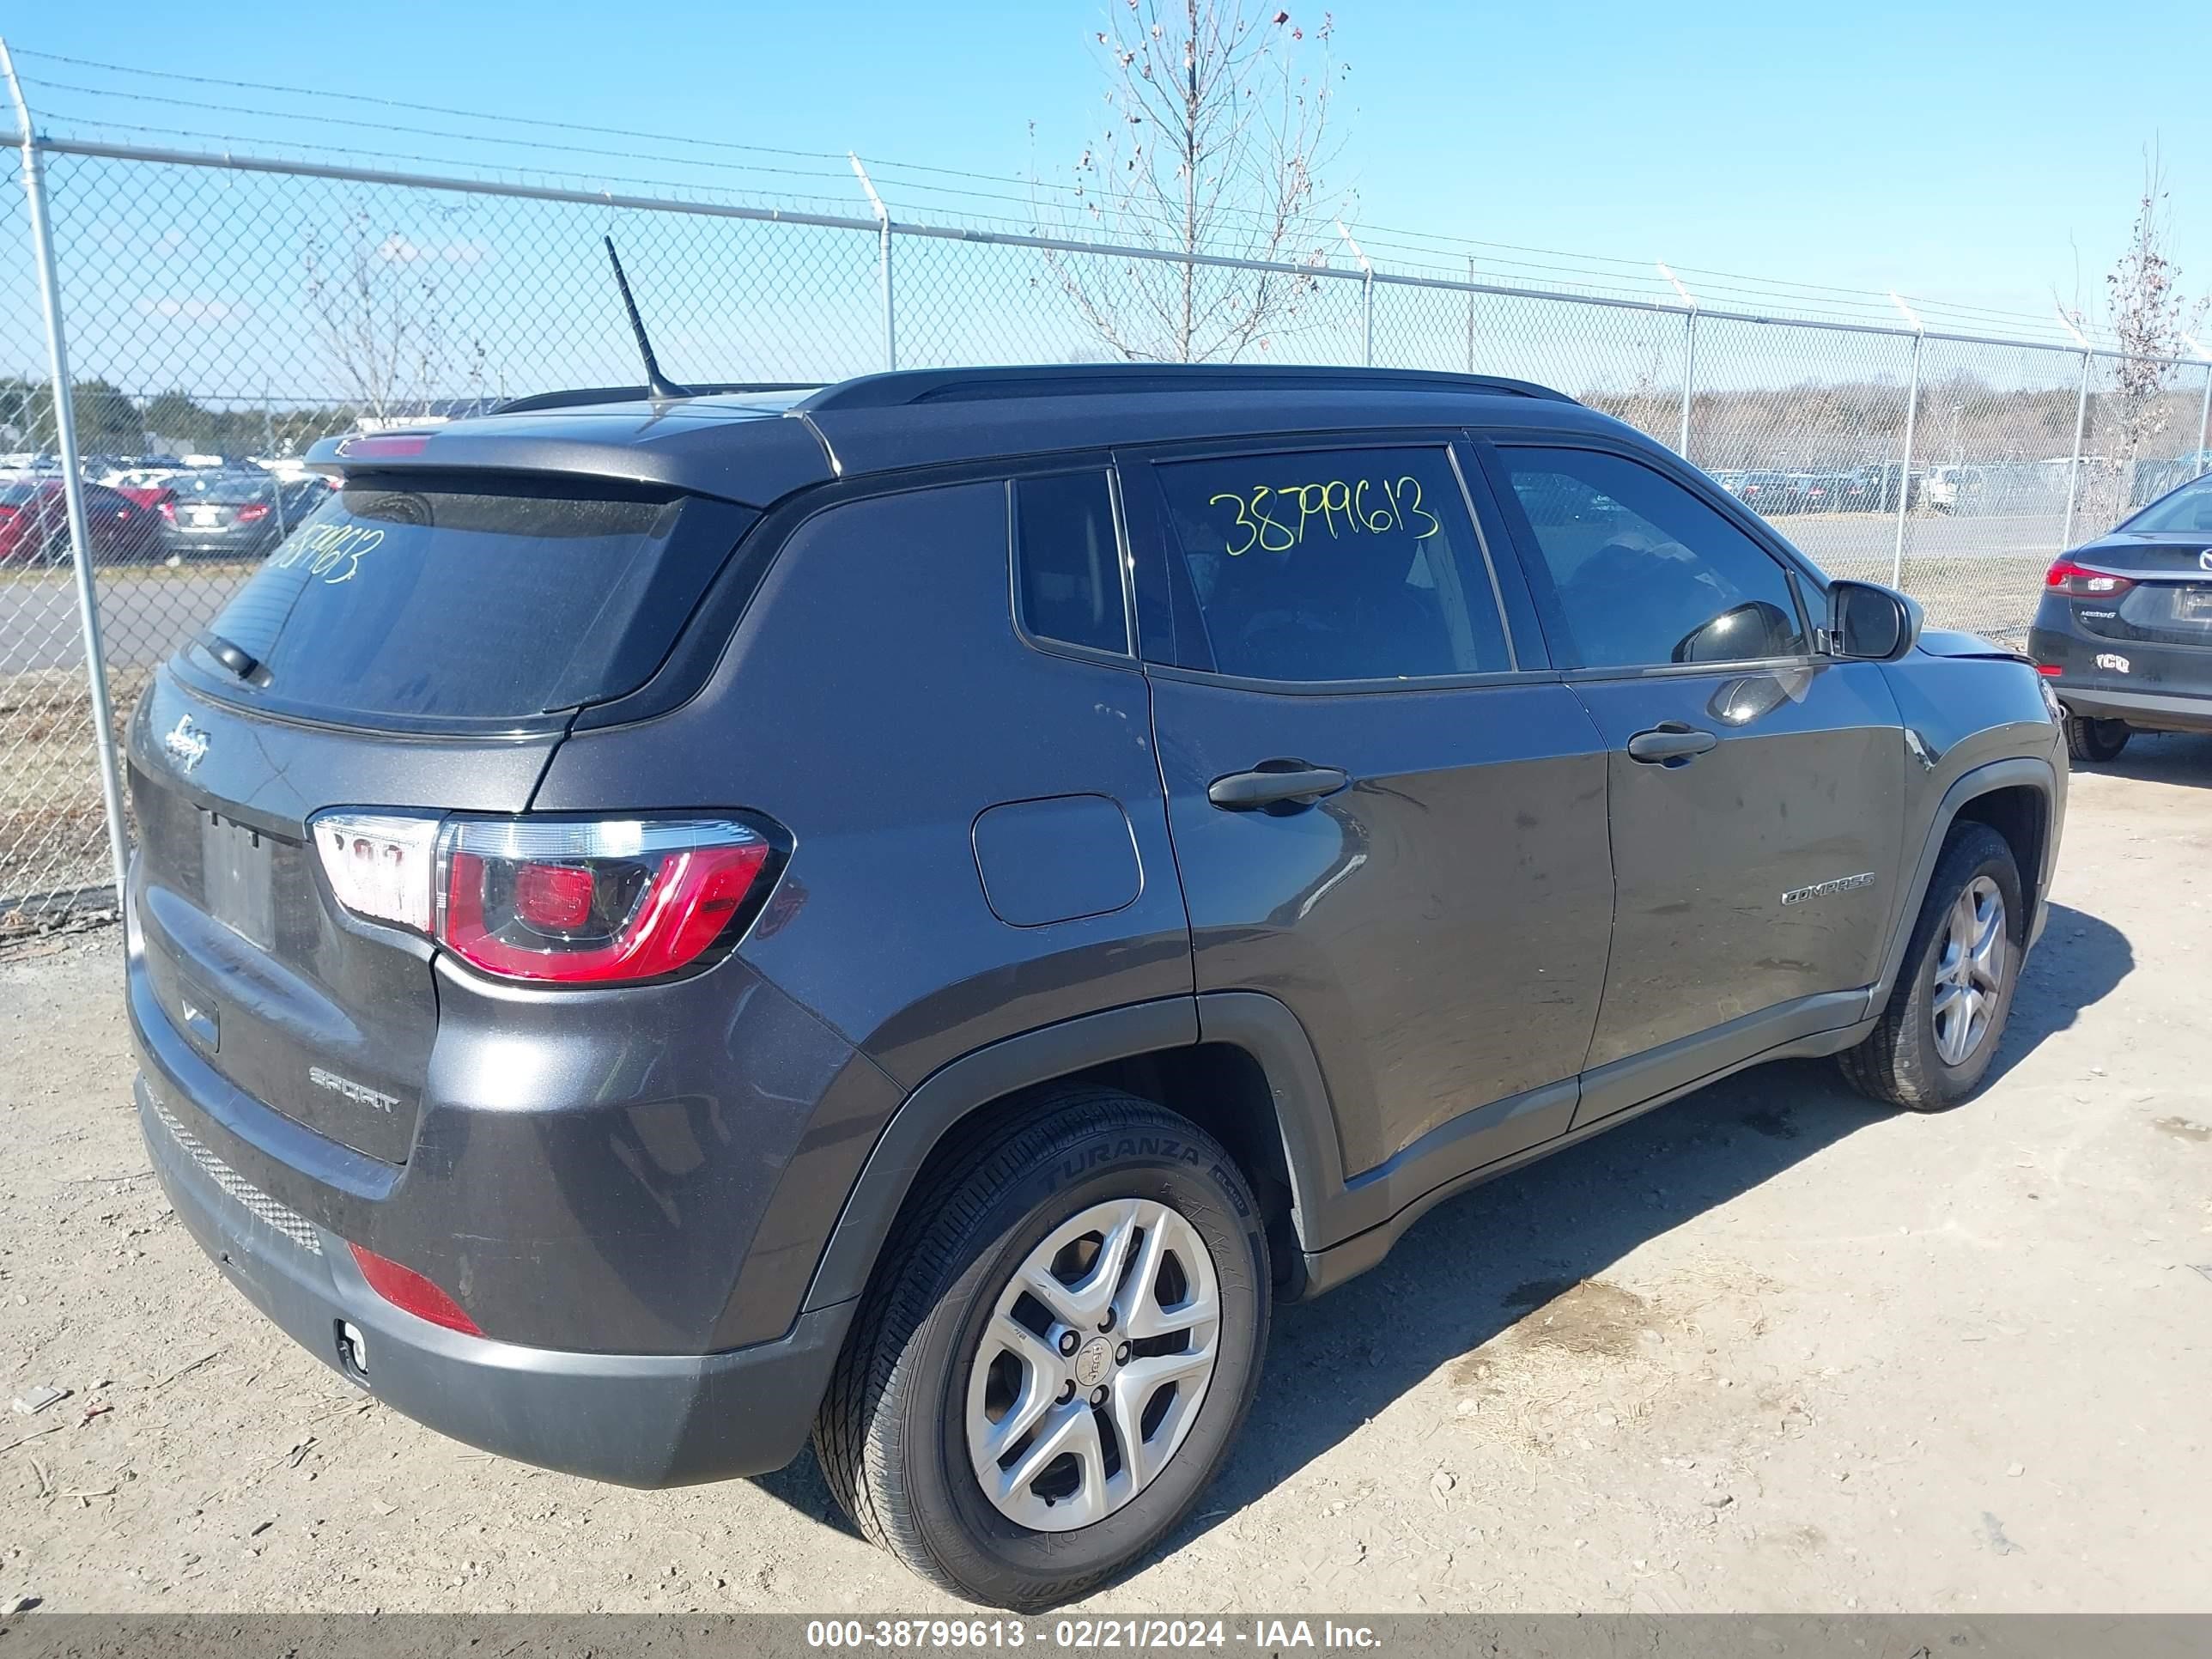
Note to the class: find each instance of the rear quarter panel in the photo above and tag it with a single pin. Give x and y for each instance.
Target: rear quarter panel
(877, 701)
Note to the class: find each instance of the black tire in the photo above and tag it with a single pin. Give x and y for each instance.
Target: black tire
(891, 1434)
(2095, 740)
(1897, 1063)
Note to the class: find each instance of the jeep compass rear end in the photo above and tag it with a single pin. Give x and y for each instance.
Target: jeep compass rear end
(412, 1048)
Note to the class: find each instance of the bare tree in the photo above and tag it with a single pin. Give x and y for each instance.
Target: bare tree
(2148, 318)
(1214, 143)
(375, 299)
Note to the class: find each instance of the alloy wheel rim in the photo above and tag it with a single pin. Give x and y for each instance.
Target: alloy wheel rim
(1970, 972)
(1093, 1365)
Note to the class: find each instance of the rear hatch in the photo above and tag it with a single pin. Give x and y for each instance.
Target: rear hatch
(2162, 621)
(417, 646)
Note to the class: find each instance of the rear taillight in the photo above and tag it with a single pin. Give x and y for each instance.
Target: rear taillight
(554, 899)
(2079, 581)
(407, 1290)
(253, 513)
(169, 508)
(2049, 671)
(381, 866)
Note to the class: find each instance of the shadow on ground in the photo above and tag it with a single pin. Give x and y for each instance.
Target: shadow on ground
(2183, 757)
(1482, 1262)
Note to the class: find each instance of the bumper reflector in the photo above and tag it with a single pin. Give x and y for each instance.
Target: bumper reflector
(407, 1290)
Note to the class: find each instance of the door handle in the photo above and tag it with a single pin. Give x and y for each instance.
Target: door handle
(1271, 784)
(1670, 743)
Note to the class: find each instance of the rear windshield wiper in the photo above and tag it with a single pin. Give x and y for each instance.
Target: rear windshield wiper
(236, 658)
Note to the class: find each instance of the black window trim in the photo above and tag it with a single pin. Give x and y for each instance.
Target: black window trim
(1127, 657)
(1447, 439)
(1797, 573)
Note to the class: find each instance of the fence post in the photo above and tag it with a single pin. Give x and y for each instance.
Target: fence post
(87, 606)
(1905, 464)
(1689, 355)
(883, 260)
(2204, 417)
(1366, 297)
(1689, 377)
(2073, 461)
(1470, 314)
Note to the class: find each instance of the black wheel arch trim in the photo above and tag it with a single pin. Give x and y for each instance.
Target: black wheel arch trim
(959, 1087)
(1260, 1024)
(2029, 770)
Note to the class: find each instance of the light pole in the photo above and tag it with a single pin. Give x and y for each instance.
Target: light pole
(1955, 409)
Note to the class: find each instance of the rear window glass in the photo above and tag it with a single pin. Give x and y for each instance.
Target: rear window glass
(446, 605)
(2188, 510)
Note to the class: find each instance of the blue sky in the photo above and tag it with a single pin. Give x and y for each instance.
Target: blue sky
(1962, 151)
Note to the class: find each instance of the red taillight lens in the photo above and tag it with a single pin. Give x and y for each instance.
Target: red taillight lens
(553, 898)
(2079, 581)
(2049, 671)
(407, 1290)
(610, 918)
(564, 901)
(253, 513)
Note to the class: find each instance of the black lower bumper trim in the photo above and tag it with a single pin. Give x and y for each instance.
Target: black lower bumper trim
(634, 1419)
(2140, 708)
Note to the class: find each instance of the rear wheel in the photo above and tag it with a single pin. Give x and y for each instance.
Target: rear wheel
(1055, 1353)
(2095, 740)
(1947, 1012)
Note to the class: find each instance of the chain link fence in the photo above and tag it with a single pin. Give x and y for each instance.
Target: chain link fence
(214, 306)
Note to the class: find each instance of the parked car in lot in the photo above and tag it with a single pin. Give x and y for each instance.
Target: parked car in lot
(2123, 631)
(232, 513)
(1817, 492)
(914, 912)
(1769, 493)
(1874, 488)
(34, 523)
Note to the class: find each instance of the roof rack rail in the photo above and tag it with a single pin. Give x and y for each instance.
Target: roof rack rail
(904, 387)
(626, 394)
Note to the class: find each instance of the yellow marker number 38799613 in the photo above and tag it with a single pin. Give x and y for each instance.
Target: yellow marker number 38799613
(1275, 520)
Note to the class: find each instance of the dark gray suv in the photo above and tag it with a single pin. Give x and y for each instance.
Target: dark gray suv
(910, 912)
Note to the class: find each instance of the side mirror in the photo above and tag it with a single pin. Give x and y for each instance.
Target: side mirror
(1868, 622)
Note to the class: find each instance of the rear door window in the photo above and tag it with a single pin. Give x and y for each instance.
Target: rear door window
(1336, 564)
(424, 603)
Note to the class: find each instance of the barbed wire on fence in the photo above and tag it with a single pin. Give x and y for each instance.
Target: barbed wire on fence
(242, 305)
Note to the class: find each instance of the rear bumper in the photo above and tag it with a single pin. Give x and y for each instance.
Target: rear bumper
(635, 1419)
(2139, 709)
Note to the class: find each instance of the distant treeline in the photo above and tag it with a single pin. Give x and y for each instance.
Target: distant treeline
(1961, 418)
(109, 422)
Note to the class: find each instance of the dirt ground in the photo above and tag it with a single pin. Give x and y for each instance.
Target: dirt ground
(1767, 1349)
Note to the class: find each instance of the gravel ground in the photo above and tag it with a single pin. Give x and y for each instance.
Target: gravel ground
(1767, 1349)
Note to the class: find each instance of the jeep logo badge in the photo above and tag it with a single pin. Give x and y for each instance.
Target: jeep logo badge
(186, 744)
